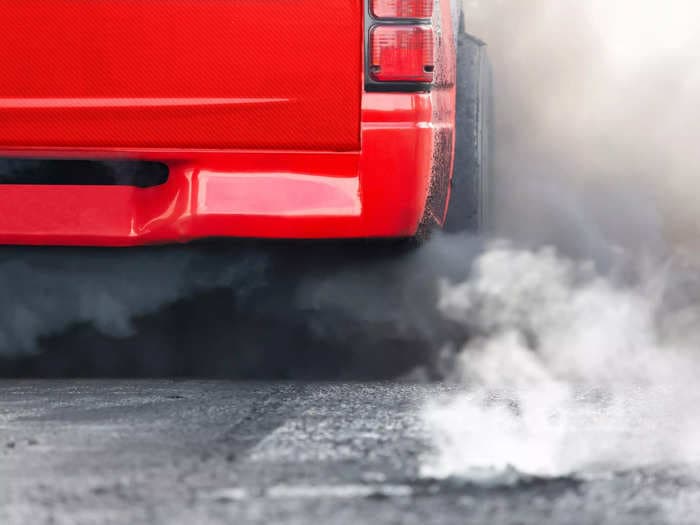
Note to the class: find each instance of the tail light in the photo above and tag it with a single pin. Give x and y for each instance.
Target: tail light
(402, 8)
(402, 53)
(399, 45)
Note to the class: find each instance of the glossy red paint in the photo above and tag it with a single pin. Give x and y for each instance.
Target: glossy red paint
(261, 190)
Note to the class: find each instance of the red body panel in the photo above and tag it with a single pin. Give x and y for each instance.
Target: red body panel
(290, 176)
(181, 74)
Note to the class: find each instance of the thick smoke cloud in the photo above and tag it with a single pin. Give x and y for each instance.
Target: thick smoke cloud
(562, 368)
(362, 310)
(596, 121)
(45, 290)
(572, 346)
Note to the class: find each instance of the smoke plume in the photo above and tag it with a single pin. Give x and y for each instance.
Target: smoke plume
(575, 345)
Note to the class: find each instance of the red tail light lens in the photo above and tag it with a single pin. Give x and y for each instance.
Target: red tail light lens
(402, 54)
(402, 8)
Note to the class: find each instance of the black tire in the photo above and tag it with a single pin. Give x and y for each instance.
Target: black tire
(468, 206)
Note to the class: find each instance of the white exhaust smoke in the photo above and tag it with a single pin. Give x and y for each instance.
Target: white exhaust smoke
(562, 365)
(575, 367)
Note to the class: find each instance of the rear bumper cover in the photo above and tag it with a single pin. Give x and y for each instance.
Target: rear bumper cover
(380, 191)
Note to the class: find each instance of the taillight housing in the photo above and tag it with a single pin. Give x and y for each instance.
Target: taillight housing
(401, 53)
(415, 9)
(400, 45)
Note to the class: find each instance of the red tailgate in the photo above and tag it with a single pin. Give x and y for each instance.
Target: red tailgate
(246, 74)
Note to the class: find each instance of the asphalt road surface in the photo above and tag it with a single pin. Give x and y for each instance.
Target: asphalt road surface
(188, 452)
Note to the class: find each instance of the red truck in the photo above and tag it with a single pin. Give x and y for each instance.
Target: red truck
(126, 122)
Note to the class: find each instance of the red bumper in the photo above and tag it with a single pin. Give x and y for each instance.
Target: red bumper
(378, 192)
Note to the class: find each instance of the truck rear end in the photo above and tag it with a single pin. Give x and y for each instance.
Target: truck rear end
(277, 119)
